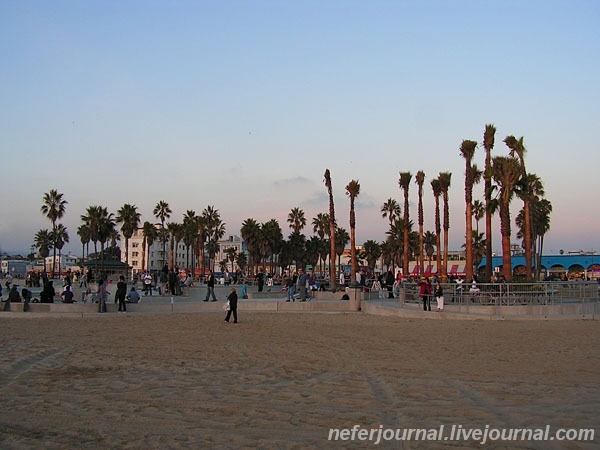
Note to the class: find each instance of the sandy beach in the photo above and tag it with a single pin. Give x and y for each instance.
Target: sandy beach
(282, 380)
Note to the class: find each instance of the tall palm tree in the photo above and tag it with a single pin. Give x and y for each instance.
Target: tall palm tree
(150, 234)
(60, 237)
(420, 179)
(174, 230)
(506, 171)
(162, 212)
(531, 189)
(214, 229)
(445, 186)
(488, 144)
(332, 229)
(467, 150)
(129, 218)
(391, 210)
(540, 224)
(190, 236)
(53, 207)
(296, 220)
(43, 242)
(352, 190)
(517, 147)
(437, 192)
(404, 183)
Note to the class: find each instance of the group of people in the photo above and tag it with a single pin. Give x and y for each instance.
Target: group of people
(300, 283)
(428, 289)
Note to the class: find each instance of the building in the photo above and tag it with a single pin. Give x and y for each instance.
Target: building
(185, 257)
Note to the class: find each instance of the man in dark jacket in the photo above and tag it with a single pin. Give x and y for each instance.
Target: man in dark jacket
(210, 285)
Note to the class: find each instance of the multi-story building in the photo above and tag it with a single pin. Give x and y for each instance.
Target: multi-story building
(185, 257)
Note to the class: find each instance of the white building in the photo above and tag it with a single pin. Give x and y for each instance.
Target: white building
(184, 256)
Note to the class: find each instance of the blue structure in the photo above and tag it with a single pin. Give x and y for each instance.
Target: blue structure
(554, 263)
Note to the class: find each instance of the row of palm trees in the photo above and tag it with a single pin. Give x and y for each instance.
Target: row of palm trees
(505, 176)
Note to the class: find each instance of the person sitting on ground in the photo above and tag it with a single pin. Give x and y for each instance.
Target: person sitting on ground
(133, 296)
(13, 295)
(26, 295)
(67, 295)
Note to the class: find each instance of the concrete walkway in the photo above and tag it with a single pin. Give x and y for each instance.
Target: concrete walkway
(273, 300)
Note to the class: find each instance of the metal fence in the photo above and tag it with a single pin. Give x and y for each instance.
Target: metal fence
(499, 294)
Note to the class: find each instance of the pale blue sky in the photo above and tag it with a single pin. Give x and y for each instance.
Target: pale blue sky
(243, 104)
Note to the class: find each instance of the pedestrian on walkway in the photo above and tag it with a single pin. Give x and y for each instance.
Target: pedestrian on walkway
(210, 287)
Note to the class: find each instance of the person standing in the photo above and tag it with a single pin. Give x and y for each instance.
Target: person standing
(260, 277)
(232, 298)
(301, 284)
(425, 293)
(439, 296)
(102, 293)
(290, 283)
(389, 283)
(121, 293)
(210, 286)
(342, 282)
(148, 284)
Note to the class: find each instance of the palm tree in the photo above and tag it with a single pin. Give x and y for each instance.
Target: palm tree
(43, 242)
(84, 236)
(174, 230)
(420, 179)
(518, 147)
(250, 232)
(404, 183)
(391, 210)
(150, 234)
(478, 212)
(296, 220)
(213, 228)
(540, 224)
(467, 150)
(429, 240)
(60, 236)
(162, 212)
(371, 253)
(129, 218)
(352, 190)
(341, 240)
(506, 171)
(488, 144)
(190, 235)
(274, 239)
(232, 254)
(321, 228)
(445, 186)
(93, 219)
(437, 191)
(531, 189)
(332, 227)
(53, 207)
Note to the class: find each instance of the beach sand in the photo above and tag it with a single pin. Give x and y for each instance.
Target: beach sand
(279, 380)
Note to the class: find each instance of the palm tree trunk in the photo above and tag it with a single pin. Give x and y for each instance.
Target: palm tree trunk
(469, 242)
(527, 231)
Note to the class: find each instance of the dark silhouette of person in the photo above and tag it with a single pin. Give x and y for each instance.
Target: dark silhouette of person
(232, 298)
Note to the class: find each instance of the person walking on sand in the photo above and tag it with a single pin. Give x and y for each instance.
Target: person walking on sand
(232, 298)
(439, 296)
(210, 286)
